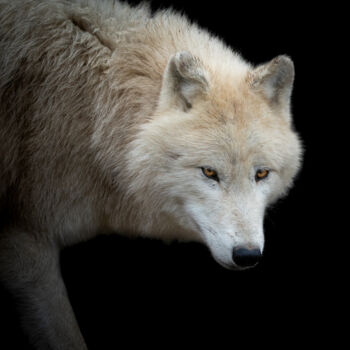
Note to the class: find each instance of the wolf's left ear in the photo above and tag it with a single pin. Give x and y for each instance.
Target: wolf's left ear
(275, 81)
(184, 81)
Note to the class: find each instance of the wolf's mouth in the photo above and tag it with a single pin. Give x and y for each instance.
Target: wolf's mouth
(227, 266)
(234, 267)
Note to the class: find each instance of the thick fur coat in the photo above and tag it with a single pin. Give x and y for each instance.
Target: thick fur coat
(114, 119)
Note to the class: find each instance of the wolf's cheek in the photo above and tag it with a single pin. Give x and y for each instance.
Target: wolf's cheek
(273, 189)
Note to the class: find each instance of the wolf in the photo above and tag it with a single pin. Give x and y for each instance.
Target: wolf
(117, 119)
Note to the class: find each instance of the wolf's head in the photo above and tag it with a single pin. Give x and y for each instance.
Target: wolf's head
(218, 151)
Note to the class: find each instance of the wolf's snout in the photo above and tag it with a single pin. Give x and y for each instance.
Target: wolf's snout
(244, 257)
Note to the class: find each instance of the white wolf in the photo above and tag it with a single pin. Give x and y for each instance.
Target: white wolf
(113, 119)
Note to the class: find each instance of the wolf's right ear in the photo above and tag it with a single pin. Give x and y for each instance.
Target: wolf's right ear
(184, 81)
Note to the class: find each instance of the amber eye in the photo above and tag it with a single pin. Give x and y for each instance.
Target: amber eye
(261, 174)
(210, 173)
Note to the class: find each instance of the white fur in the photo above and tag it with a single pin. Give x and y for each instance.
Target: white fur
(107, 115)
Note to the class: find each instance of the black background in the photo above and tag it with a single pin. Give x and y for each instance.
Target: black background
(146, 292)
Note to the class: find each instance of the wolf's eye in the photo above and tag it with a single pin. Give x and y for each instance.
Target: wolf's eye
(210, 173)
(261, 174)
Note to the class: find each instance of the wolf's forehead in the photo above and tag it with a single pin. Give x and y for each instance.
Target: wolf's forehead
(235, 102)
(239, 139)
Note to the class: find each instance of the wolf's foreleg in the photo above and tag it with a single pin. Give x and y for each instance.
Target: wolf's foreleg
(30, 270)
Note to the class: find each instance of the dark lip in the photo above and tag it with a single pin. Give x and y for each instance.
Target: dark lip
(233, 267)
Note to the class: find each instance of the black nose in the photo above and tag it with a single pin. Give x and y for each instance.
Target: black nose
(244, 257)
